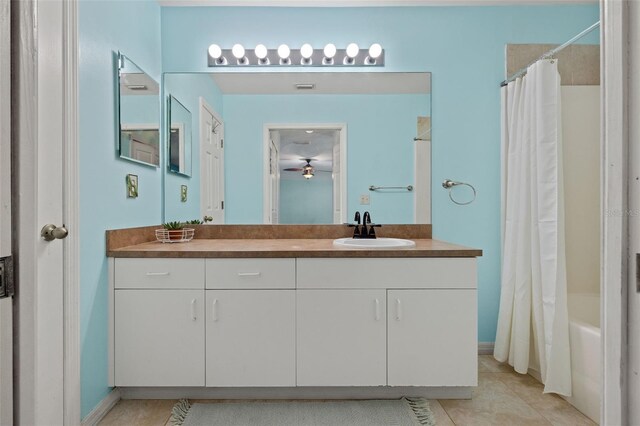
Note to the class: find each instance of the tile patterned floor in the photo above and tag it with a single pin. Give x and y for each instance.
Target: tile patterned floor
(502, 397)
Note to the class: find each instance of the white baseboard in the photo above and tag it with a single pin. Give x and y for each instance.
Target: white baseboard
(485, 348)
(305, 392)
(101, 410)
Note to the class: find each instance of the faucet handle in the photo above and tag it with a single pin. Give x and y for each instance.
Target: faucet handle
(357, 218)
(366, 218)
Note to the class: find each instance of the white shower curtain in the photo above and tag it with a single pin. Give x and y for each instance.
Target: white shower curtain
(533, 301)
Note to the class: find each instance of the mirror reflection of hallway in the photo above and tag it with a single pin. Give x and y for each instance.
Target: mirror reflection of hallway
(305, 174)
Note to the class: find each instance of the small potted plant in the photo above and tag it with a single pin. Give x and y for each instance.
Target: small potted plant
(174, 229)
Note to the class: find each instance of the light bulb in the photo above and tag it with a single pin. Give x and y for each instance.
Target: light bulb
(261, 51)
(214, 51)
(283, 51)
(306, 51)
(330, 51)
(375, 51)
(238, 51)
(352, 50)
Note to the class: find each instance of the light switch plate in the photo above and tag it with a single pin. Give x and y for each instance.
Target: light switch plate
(364, 199)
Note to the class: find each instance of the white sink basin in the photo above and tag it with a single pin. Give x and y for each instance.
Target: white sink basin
(377, 243)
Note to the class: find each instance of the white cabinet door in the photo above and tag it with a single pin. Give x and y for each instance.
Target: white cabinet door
(251, 338)
(341, 338)
(432, 338)
(159, 337)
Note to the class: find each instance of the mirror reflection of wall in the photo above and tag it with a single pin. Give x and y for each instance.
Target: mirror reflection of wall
(139, 118)
(380, 111)
(180, 139)
(199, 95)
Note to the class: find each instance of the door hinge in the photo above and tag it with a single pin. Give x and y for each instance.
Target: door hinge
(637, 272)
(222, 205)
(221, 143)
(7, 288)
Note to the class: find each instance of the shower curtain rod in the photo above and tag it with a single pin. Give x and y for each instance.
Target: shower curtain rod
(550, 53)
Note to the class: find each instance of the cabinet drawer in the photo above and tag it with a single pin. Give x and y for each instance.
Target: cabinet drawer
(454, 272)
(159, 273)
(250, 273)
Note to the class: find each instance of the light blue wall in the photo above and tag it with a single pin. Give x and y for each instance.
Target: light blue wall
(304, 201)
(188, 88)
(105, 27)
(464, 49)
(380, 131)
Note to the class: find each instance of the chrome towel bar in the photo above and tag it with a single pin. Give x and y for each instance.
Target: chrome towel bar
(375, 188)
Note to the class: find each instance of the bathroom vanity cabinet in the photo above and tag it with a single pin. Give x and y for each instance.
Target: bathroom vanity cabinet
(293, 322)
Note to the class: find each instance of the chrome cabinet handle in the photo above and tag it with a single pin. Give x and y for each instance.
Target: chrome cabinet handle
(378, 310)
(193, 310)
(157, 274)
(214, 310)
(398, 310)
(249, 274)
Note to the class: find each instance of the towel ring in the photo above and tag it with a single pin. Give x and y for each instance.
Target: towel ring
(450, 184)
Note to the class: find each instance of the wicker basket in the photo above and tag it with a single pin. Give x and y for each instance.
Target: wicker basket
(175, 235)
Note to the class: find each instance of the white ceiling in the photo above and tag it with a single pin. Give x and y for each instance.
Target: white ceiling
(365, 3)
(326, 82)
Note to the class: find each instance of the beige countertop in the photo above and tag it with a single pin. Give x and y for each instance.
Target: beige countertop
(317, 247)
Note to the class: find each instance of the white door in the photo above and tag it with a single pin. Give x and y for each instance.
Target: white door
(341, 338)
(6, 311)
(337, 183)
(251, 338)
(429, 343)
(159, 337)
(211, 164)
(274, 179)
(45, 97)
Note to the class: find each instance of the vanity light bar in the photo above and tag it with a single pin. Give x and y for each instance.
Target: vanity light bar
(306, 56)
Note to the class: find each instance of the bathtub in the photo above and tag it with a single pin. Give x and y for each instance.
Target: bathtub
(584, 337)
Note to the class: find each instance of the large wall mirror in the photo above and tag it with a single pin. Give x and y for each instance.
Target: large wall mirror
(139, 114)
(305, 147)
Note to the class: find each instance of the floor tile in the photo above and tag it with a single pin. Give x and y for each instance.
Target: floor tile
(492, 365)
(439, 414)
(151, 412)
(493, 403)
(552, 407)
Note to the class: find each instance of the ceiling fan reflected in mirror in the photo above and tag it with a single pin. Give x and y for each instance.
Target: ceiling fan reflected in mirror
(307, 170)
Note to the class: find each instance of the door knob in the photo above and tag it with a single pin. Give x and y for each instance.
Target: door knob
(51, 232)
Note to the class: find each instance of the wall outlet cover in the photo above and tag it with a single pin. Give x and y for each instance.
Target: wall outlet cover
(132, 186)
(183, 193)
(364, 199)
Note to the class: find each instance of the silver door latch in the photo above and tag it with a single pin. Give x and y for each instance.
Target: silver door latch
(51, 232)
(6, 277)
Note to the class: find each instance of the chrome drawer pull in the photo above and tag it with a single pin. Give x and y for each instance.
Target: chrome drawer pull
(398, 310)
(377, 310)
(249, 274)
(193, 310)
(157, 274)
(214, 310)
